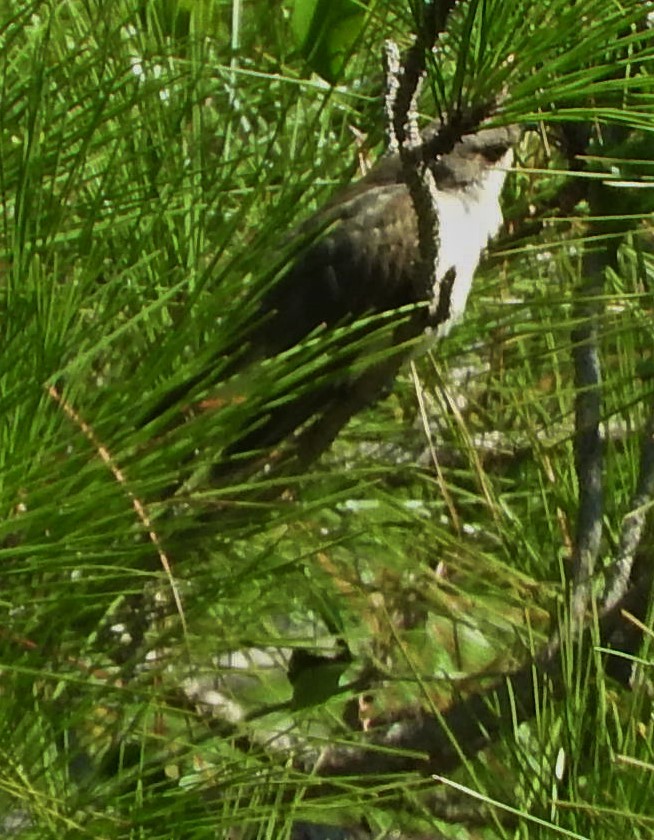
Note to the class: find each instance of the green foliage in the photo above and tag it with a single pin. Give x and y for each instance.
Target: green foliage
(327, 32)
(152, 158)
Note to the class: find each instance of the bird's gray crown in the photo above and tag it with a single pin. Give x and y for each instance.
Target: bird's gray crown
(472, 156)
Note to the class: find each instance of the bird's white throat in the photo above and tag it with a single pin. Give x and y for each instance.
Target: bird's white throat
(468, 218)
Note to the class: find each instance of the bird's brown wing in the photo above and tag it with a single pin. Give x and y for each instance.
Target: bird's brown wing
(360, 258)
(363, 263)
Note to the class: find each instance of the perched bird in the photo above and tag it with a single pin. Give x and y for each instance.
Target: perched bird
(367, 259)
(359, 256)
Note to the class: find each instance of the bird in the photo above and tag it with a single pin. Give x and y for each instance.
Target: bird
(367, 259)
(359, 257)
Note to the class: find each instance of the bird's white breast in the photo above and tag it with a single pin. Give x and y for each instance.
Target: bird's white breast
(468, 218)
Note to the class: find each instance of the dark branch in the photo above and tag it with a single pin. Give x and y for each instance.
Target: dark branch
(402, 101)
(588, 441)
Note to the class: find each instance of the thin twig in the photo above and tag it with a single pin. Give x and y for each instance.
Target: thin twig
(447, 496)
(392, 72)
(633, 525)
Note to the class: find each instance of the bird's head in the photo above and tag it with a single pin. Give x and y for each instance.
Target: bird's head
(474, 157)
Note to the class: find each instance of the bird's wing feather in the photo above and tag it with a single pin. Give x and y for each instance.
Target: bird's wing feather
(363, 263)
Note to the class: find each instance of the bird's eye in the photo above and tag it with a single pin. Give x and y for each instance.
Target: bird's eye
(495, 152)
